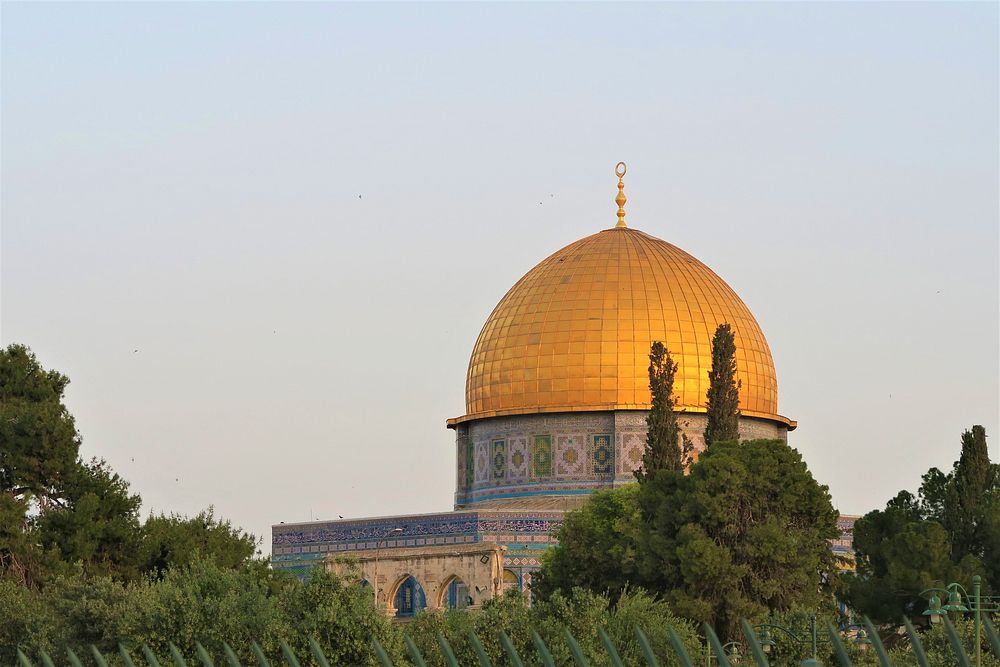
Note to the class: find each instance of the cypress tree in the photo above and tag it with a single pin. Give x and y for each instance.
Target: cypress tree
(663, 451)
(975, 479)
(723, 389)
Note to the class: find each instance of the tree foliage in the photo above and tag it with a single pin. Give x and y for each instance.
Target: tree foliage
(744, 534)
(948, 532)
(37, 457)
(95, 523)
(604, 531)
(60, 515)
(666, 447)
(580, 611)
(723, 396)
(175, 540)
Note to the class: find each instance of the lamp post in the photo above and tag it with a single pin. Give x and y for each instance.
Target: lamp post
(978, 603)
(766, 641)
(378, 543)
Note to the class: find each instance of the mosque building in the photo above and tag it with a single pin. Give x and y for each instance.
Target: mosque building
(556, 398)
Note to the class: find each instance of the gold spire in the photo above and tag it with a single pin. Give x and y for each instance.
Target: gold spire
(620, 169)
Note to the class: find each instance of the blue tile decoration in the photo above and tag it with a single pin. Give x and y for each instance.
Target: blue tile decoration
(541, 456)
(604, 462)
(499, 459)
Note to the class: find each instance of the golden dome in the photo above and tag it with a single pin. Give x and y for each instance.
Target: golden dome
(574, 333)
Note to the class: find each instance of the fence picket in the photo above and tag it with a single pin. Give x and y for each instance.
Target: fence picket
(98, 658)
(956, 643)
(414, 652)
(258, 653)
(383, 657)
(449, 655)
(991, 634)
(206, 659)
(713, 641)
(883, 657)
(126, 656)
(574, 648)
(839, 651)
(150, 657)
(679, 649)
(318, 653)
(230, 655)
(477, 646)
(918, 648)
(508, 647)
(175, 653)
(755, 648)
(609, 646)
(73, 660)
(289, 655)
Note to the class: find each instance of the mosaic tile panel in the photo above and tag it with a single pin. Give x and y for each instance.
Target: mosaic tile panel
(470, 464)
(570, 455)
(499, 459)
(541, 456)
(604, 455)
(482, 461)
(518, 457)
(631, 450)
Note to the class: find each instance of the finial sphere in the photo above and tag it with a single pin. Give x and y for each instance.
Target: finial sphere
(620, 169)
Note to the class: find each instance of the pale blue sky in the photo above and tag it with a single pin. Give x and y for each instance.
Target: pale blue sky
(183, 179)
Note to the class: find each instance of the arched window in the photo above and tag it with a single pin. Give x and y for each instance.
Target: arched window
(457, 596)
(410, 598)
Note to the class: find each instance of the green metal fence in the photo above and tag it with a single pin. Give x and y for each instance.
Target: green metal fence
(719, 656)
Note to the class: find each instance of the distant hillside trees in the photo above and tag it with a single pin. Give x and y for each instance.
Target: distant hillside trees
(949, 531)
(61, 515)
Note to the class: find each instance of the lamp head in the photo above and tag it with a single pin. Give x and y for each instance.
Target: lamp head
(955, 601)
(765, 640)
(934, 609)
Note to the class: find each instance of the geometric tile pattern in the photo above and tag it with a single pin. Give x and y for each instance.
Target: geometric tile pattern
(518, 458)
(541, 456)
(570, 455)
(632, 448)
(483, 457)
(470, 463)
(499, 459)
(604, 456)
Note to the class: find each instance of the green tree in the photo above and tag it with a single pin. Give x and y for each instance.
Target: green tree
(949, 532)
(581, 612)
(976, 485)
(604, 531)
(175, 540)
(745, 533)
(340, 615)
(26, 622)
(666, 449)
(723, 397)
(95, 523)
(38, 452)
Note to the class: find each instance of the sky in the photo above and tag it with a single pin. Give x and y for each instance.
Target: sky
(261, 238)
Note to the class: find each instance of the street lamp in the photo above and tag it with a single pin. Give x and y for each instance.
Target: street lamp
(861, 639)
(978, 603)
(378, 543)
(767, 642)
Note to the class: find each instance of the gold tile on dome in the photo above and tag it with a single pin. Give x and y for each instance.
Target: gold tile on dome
(588, 314)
